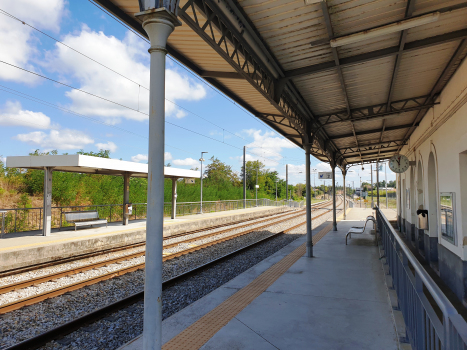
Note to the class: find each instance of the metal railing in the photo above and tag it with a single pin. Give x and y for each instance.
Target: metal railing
(431, 320)
(30, 219)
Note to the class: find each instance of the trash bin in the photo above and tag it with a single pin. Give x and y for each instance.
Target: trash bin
(422, 219)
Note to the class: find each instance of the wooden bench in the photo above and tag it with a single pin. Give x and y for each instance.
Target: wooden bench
(84, 218)
(359, 229)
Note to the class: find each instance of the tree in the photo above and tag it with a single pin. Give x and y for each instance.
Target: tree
(219, 173)
(253, 167)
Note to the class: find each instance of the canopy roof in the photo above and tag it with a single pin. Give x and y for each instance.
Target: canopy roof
(78, 163)
(355, 103)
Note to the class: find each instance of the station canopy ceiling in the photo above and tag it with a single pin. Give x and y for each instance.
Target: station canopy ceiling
(353, 78)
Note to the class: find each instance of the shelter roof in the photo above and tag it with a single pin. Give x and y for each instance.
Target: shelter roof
(356, 102)
(78, 163)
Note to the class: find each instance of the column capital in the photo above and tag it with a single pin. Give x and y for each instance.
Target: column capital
(159, 24)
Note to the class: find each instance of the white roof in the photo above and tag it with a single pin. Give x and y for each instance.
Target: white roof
(78, 163)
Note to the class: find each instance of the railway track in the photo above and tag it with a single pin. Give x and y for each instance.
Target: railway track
(17, 304)
(69, 327)
(130, 246)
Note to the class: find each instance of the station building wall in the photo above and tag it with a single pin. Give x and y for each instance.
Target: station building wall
(438, 147)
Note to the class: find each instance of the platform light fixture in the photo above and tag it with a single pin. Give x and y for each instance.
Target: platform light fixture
(387, 29)
(311, 2)
(170, 5)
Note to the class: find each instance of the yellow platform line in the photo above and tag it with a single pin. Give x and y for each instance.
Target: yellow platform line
(198, 333)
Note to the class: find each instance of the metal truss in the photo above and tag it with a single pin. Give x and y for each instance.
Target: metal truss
(206, 19)
(382, 110)
(371, 146)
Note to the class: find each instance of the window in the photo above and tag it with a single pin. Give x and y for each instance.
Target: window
(448, 226)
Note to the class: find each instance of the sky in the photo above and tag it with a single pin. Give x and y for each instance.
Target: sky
(96, 97)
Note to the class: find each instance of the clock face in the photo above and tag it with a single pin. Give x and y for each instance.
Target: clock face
(399, 163)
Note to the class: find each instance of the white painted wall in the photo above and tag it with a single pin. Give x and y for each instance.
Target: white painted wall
(442, 131)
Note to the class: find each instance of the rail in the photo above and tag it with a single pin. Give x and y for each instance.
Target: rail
(431, 320)
(30, 219)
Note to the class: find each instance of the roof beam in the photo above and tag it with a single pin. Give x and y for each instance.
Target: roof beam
(373, 144)
(456, 59)
(226, 75)
(403, 37)
(374, 55)
(372, 131)
(385, 153)
(368, 113)
(327, 20)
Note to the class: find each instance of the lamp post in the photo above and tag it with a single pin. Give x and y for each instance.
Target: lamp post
(256, 187)
(201, 197)
(158, 20)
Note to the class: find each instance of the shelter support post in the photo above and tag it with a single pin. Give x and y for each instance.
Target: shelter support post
(158, 24)
(377, 184)
(334, 208)
(287, 182)
(345, 196)
(126, 197)
(244, 177)
(309, 234)
(47, 218)
(174, 197)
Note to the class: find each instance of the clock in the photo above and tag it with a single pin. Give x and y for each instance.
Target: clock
(398, 163)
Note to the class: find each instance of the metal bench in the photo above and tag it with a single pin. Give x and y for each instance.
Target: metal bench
(84, 218)
(360, 229)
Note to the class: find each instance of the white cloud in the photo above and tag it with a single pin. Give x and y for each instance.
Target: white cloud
(109, 146)
(17, 41)
(13, 115)
(266, 147)
(186, 162)
(139, 158)
(65, 139)
(144, 157)
(128, 57)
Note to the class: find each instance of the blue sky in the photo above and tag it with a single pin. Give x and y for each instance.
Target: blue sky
(36, 113)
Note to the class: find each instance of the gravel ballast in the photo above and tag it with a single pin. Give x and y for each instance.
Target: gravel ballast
(112, 332)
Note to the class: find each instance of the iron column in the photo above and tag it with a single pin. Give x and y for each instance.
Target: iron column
(158, 24)
(126, 196)
(345, 196)
(372, 201)
(334, 208)
(377, 183)
(174, 197)
(47, 219)
(309, 234)
(386, 182)
(287, 182)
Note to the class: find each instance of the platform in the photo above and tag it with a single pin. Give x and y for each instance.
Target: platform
(27, 248)
(336, 300)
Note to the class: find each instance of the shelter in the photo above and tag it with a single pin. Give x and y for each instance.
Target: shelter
(78, 163)
(348, 81)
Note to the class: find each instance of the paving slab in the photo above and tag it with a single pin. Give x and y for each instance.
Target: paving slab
(336, 300)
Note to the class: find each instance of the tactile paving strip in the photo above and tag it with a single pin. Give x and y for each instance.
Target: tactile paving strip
(197, 334)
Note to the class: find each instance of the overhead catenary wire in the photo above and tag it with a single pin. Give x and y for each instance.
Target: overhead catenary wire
(63, 109)
(121, 105)
(114, 71)
(139, 86)
(192, 73)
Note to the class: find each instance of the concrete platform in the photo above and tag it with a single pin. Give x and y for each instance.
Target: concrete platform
(27, 248)
(336, 300)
